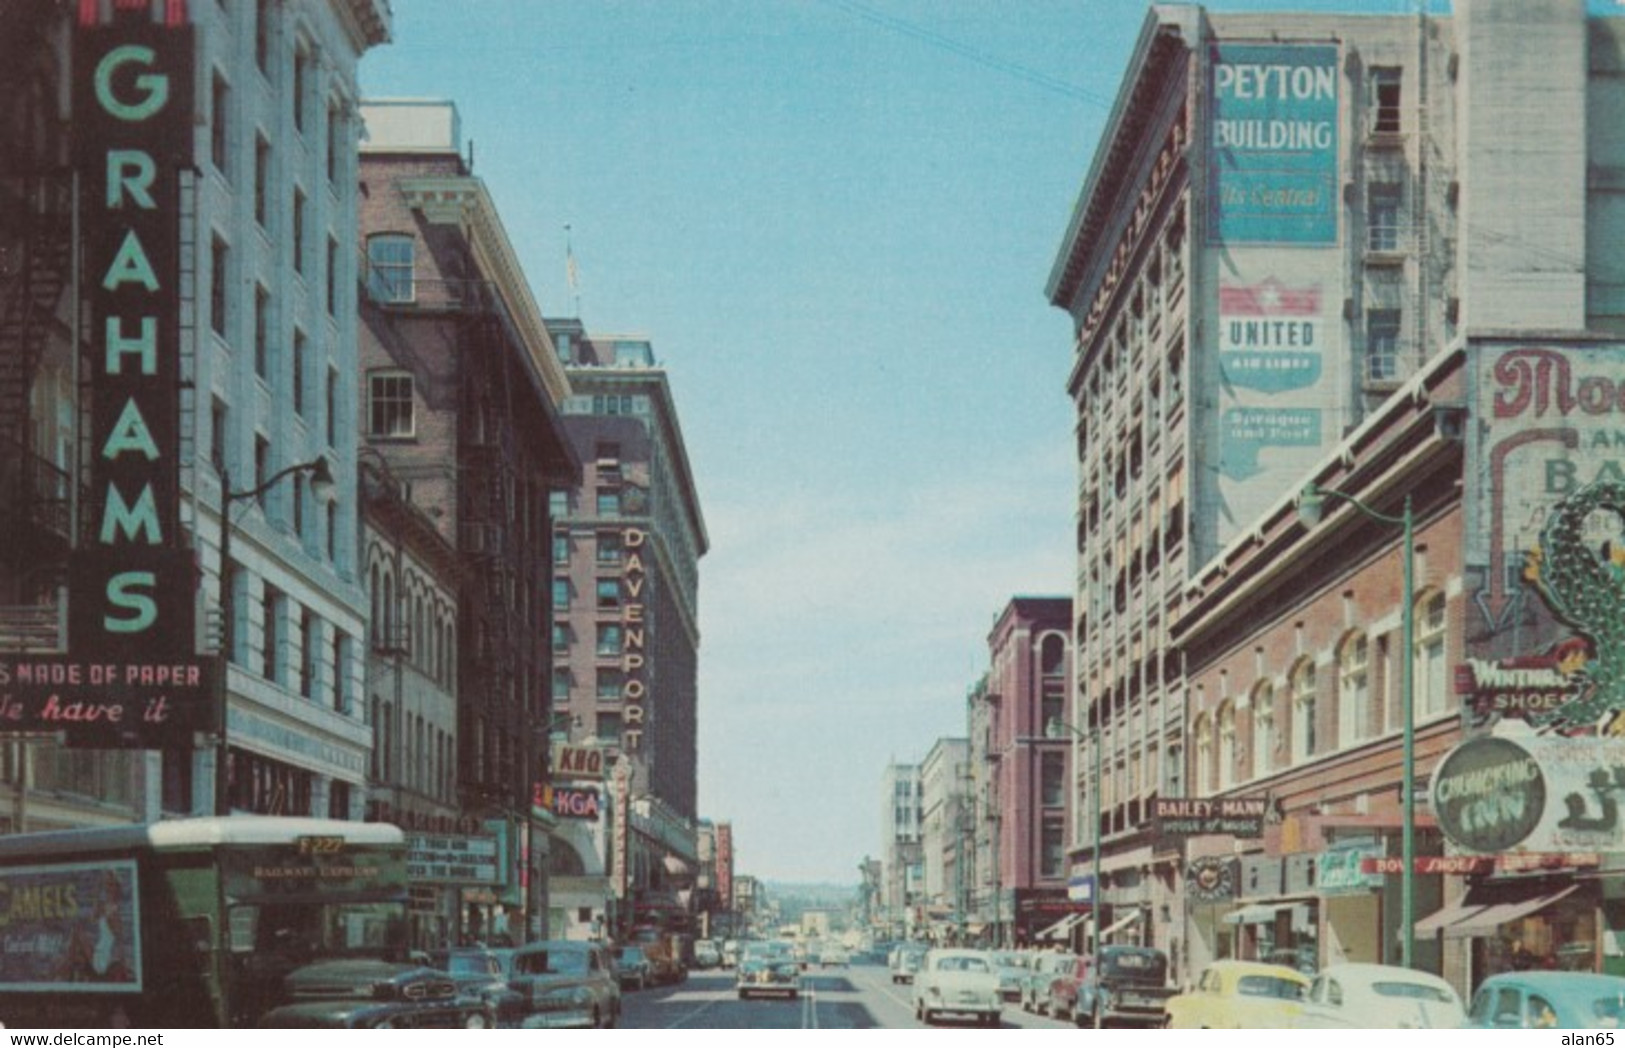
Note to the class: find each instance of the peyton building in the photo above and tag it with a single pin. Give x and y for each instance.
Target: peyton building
(1374, 256)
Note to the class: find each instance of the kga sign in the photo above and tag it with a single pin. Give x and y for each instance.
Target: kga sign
(568, 803)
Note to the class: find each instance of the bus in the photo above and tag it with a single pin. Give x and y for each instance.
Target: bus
(189, 923)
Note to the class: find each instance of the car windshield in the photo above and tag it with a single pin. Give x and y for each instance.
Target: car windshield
(1411, 990)
(1010, 960)
(553, 962)
(1268, 986)
(1610, 1011)
(1139, 965)
(469, 964)
(962, 964)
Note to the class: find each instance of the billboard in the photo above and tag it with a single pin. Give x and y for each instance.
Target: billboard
(70, 928)
(1274, 144)
(453, 859)
(1544, 498)
(142, 703)
(1522, 792)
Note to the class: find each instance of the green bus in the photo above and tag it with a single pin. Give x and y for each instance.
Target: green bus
(189, 923)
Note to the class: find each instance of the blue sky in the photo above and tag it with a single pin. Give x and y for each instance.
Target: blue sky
(834, 219)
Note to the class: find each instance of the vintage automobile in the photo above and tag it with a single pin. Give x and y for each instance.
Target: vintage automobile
(1011, 966)
(707, 954)
(1125, 985)
(1035, 987)
(768, 968)
(375, 995)
(566, 985)
(1063, 989)
(1240, 995)
(1548, 1001)
(833, 955)
(905, 961)
(1379, 996)
(957, 982)
(482, 973)
(631, 967)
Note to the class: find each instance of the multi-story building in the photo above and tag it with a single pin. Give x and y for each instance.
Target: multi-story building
(899, 840)
(247, 170)
(982, 889)
(1028, 739)
(944, 810)
(625, 590)
(461, 395)
(1293, 261)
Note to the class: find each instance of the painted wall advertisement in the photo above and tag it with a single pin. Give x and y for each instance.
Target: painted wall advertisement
(71, 928)
(1520, 791)
(1545, 554)
(1274, 144)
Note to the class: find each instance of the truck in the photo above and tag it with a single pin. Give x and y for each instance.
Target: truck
(191, 923)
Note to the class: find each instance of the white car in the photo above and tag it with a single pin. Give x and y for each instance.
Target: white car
(957, 982)
(1379, 996)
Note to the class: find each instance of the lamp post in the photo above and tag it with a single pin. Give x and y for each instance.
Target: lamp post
(1056, 728)
(321, 484)
(1311, 507)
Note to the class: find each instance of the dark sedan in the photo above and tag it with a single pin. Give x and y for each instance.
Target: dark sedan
(375, 995)
(481, 973)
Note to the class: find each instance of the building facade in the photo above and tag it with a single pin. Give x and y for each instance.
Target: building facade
(461, 391)
(1293, 262)
(626, 547)
(900, 803)
(944, 814)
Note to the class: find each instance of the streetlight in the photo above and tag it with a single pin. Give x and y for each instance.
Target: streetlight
(1311, 507)
(1055, 728)
(321, 485)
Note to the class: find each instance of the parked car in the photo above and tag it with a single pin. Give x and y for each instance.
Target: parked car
(730, 953)
(906, 961)
(1011, 966)
(1125, 985)
(768, 967)
(481, 973)
(1548, 1000)
(957, 982)
(707, 954)
(833, 955)
(1034, 996)
(1240, 995)
(375, 995)
(567, 984)
(631, 967)
(1380, 996)
(1063, 989)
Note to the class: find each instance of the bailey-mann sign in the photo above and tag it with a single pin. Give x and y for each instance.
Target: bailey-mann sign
(1528, 793)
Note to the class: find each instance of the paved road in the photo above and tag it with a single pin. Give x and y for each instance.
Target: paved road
(856, 998)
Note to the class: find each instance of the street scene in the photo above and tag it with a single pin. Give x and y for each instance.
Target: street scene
(839, 514)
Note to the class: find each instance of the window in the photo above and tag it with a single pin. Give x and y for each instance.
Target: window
(1052, 780)
(332, 276)
(300, 206)
(1052, 850)
(220, 129)
(219, 285)
(332, 412)
(609, 685)
(1353, 690)
(1430, 672)
(235, 581)
(561, 548)
(298, 513)
(177, 793)
(332, 538)
(609, 638)
(271, 611)
(1227, 755)
(335, 123)
(299, 348)
(218, 416)
(1382, 216)
(301, 86)
(609, 503)
(389, 402)
(262, 331)
(609, 548)
(609, 594)
(262, 464)
(310, 640)
(1264, 740)
(561, 638)
(1303, 711)
(561, 684)
(609, 727)
(1385, 101)
(561, 594)
(262, 179)
(1202, 732)
(390, 258)
(1382, 345)
(262, 35)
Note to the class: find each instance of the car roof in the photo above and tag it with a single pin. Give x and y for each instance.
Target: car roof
(1589, 981)
(1385, 971)
(1279, 971)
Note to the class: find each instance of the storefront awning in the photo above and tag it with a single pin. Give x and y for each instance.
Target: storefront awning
(1061, 927)
(1133, 916)
(1487, 907)
(1258, 913)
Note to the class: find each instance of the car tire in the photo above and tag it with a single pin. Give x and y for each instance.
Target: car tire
(478, 1021)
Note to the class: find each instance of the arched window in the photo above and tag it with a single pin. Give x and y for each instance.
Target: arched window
(1202, 732)
(1228, 754)
(377, 604)
(1265, 742)
(1353, 690)
(388, 636)
(1431, 677)
(1303, 711)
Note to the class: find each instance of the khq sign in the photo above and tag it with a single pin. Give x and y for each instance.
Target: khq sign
(453, 859)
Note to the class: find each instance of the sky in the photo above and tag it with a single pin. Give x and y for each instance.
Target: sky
(834, 220)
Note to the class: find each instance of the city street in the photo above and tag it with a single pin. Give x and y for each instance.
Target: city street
(861, 997)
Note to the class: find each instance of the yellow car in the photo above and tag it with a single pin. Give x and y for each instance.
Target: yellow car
(1240, 995)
